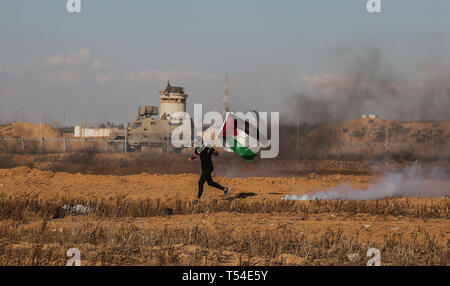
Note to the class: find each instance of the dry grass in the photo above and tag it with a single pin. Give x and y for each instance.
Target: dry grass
(26, 237)
(25, 206)
(103, 245)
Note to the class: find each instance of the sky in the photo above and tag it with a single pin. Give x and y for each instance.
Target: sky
(101, 64)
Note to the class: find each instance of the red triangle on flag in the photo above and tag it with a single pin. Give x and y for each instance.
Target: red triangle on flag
(229, 128)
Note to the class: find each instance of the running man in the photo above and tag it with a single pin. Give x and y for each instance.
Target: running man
(206, 153)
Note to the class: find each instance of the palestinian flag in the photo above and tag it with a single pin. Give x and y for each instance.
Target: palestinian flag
(241, 136)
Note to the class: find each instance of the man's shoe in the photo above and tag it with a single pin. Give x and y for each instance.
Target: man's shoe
(226, 192)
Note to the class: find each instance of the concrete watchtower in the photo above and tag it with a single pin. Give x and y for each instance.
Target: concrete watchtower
(173, 99)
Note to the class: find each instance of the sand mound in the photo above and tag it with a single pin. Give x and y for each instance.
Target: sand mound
(29, 130)
(370, 135)
(369, 130)
(19, 171)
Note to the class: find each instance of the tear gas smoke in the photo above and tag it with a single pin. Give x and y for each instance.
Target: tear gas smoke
(370, 85)
(414, 181)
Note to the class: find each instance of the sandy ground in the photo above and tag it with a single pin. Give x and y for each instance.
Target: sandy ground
(50, 184)
(370, 229)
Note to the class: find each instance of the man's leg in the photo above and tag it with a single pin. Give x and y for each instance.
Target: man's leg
(212, 183)
(201, 182)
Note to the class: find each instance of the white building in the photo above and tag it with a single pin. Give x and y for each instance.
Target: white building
(372, 116)
(80, 131)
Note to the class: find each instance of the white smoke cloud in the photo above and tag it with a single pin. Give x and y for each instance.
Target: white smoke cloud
(414, 181)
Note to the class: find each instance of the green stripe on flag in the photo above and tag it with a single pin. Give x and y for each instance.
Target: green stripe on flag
(241, 150)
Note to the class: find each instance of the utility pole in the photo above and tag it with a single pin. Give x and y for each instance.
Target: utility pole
(297, 147)
(168, 138)
(83, 134)
(42, 129)
(387, 139)
(126, 131)
(84, 126)
(64, 116)
(126, 127)
(42, 136)
(432, 140)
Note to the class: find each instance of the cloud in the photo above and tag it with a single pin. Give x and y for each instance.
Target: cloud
(66, 69)
(64, 76)
(16, 70)
(81, 67)
(97, 65)
(163, 75)
(105, 77)
(84, 83)
(55, 60)
(81, 57)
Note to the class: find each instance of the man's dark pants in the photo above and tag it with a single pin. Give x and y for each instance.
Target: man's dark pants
(206, 177)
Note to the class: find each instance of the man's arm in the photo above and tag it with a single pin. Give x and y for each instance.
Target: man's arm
(193, 156)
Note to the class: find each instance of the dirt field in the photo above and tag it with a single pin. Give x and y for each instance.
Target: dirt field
(150, 219)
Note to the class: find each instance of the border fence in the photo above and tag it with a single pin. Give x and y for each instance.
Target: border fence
(428, 149)
(292, 142)
(303, 149)
(58, 145)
